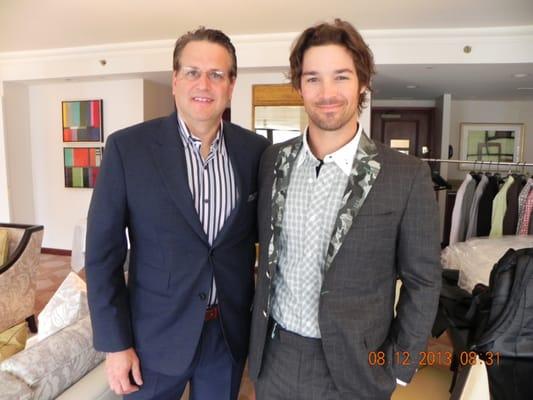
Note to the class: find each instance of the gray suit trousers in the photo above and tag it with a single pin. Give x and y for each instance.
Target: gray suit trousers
(294, 368)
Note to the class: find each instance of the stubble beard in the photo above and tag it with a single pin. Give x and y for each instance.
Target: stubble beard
(331, 121)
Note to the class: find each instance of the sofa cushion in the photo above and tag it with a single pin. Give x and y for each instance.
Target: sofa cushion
(13, 388)
(93, 386)
(67, 305)
(54, 364)
(4, 246)
(13, 340)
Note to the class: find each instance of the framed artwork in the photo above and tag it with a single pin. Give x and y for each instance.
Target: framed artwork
(82, 165)
(82, 121)
(491, 142)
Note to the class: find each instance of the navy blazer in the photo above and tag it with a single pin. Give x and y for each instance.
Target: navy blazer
(143, 186)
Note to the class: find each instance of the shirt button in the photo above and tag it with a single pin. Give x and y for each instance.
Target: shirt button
(206, 201)
(202, 296)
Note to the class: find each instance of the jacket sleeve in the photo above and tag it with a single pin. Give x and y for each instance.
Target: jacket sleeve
(106, 249)
(419, 270)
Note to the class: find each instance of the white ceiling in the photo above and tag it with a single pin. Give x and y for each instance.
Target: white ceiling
(462, 81)
(38, 24)
(34, 24)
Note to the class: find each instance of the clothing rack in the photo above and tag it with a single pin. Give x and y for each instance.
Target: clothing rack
(489, 163)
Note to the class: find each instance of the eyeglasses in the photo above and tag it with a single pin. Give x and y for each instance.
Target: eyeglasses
(193, 74)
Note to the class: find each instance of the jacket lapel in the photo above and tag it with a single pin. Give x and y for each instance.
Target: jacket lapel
(365, 170)
(282, 172)
(169, 157)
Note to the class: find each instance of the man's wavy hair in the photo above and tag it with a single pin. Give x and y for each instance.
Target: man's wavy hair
(343, 34)
(209, 35)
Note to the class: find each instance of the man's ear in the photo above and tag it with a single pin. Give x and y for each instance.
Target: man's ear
(363, 89)
(174, 78)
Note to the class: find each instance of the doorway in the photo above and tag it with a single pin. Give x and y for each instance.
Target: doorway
(408, 130)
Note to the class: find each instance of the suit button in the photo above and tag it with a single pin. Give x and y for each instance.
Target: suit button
(265, 314)
(202, 296)
(268, 274)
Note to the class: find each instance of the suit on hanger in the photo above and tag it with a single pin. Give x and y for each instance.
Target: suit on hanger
(484, 218)
(510, 219)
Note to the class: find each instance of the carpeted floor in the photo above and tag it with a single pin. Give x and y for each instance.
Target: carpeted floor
(435, 380)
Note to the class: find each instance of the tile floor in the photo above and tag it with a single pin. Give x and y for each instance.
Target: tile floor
(435, 380)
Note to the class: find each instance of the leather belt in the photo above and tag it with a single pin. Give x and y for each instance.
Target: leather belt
(211, 313)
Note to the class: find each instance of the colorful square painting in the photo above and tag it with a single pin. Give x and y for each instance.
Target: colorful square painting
(82, 121)
(82, 165)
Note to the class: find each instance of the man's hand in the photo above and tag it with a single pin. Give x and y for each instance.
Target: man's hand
(118, 366)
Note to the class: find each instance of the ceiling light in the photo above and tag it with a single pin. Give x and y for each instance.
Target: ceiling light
(411, 86)
(521, 75)
(525, 88)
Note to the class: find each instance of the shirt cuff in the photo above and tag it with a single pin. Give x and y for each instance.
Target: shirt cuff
(401, 383)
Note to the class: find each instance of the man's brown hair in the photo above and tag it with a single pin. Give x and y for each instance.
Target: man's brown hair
(341, 33)
(209, 35)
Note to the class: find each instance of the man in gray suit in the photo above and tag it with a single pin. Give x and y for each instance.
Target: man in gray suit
(342, 218)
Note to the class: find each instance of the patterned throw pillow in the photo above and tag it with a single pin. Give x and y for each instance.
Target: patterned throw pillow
(3, 246)
(54, 364)
(13, 340)
(14, 388)
(67, 305)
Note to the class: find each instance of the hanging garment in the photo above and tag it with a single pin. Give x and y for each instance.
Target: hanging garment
(499, 206)
(461, 210)
(510, 219)
(522, 198)
(525, 224)
(471, 230)
(484, 217)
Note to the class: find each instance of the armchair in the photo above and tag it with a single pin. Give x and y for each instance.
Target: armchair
(17, 275)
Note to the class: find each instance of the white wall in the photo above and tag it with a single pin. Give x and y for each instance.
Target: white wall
(5, 213)
(241, 101)
(19, 153)
(490, 112)
(442, 122)
(56, 207)
(158, 99)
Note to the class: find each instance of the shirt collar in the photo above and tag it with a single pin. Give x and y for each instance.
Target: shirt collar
(343, 157)
(189, 138)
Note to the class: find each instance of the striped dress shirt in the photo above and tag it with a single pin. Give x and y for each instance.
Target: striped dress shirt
(212, 184)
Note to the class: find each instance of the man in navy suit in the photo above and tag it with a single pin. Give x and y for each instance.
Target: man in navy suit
(185, 189)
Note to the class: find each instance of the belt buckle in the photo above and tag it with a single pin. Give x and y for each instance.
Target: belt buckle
(211, 313)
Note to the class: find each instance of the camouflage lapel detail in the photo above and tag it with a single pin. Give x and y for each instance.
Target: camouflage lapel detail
(282, 172)
(365, 170)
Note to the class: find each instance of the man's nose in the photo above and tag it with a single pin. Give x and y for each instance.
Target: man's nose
(203, 80)
(328, 89)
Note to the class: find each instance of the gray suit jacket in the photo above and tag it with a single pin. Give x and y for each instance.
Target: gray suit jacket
(387, 229)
